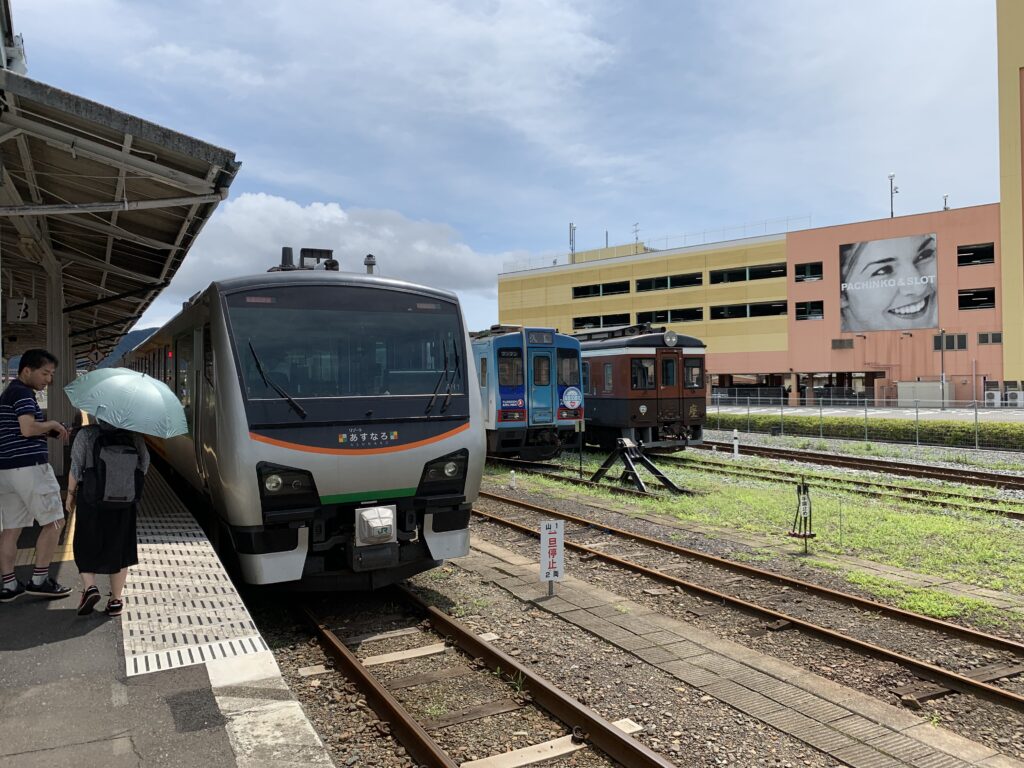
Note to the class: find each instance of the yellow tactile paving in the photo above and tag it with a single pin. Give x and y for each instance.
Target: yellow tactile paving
(63, 553)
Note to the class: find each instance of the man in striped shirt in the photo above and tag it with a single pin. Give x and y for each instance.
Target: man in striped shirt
(28, 488)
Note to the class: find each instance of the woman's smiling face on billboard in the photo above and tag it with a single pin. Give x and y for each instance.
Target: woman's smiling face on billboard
(889, 285)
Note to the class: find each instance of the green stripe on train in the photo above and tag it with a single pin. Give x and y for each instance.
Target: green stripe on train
(394, 493)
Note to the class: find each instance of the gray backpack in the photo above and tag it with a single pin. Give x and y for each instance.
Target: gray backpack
(114, 479)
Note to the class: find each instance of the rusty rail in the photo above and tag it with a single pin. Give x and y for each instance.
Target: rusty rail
(935, 674)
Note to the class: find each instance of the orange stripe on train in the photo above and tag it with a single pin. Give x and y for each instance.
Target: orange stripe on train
(357, 451)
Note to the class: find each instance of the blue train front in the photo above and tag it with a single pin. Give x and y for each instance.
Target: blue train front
(530, 387)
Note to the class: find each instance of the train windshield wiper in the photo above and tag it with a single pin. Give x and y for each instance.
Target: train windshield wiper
(442, 377)
(451, 381)
(266, 379)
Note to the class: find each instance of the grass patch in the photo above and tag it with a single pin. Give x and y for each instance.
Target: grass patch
(935, 603)
(973, 548)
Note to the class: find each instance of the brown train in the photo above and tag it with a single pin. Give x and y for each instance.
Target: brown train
(643, 383)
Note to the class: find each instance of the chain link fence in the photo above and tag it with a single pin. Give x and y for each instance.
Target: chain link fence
(956, 423)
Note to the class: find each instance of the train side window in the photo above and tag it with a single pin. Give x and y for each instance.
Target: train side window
(608, 368)
(693, 374)
(182, 368)
(668, 372)
(207, 355)
(586, 377)
(542, 371)
(642, 373)
(483, 371)
(568, 368)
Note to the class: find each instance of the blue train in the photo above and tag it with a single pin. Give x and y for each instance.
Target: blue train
(530, 387)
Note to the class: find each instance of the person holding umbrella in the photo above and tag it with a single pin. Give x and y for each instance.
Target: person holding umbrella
(109, 460)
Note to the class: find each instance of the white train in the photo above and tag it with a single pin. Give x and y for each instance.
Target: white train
(330, 424)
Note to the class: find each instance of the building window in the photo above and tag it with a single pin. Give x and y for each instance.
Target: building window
(767, 271)
(599, 321)
(810, 310)
(728, 311)
(969, 255)
(808, 272)
(979, 298)
(740, 274)
(686, 315)
(768, 308)
(996, 337)
(757, 309)
(654, 316)
(652, 284)
(641, 373)
(954, 342)
(842, 343)
(600, 289)
(727, 275)
(688, 280)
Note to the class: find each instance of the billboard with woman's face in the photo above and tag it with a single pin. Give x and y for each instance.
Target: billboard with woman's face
(888, 285)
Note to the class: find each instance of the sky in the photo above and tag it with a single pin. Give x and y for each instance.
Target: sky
(455, 139)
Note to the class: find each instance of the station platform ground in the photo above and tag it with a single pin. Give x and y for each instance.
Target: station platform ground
(182, 678)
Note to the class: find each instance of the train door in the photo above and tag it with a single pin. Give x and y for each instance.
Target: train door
(670, 386)
(542, 388)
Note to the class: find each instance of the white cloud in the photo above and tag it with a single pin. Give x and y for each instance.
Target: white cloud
(245, 236)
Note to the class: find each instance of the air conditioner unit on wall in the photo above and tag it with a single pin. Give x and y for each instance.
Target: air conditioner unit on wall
(1014, 399)
(993, 399)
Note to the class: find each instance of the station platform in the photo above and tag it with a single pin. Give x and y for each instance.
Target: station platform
(182, 678)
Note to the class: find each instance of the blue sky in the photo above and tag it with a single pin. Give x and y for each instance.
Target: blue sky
(453, 137)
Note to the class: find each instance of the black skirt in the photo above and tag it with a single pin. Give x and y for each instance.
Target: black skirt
(104, 542)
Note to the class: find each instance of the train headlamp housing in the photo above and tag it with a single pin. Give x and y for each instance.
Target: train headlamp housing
(285, 487)
(671, 338)
(446, 474)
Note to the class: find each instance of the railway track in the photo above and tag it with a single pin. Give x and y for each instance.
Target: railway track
(937, 497)
(963, 476)
(458, 653)
(758, 593)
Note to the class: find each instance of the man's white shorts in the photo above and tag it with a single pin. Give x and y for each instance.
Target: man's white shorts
(29, 494)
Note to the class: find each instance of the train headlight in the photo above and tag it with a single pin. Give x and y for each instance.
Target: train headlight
(446, 474)
(286, 487)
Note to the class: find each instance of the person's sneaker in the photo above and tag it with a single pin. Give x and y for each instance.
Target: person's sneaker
(12, 593)
(48, 588)
(114, 607)
(90, 597)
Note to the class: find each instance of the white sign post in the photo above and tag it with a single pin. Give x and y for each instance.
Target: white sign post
(552, 552)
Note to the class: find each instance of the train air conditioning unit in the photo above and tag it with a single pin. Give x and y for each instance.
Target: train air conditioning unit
(993, 399)
(1014, 399)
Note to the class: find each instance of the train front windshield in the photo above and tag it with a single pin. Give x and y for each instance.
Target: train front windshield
(343, 341)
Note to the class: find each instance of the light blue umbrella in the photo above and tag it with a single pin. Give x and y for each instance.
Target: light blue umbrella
(129, 400)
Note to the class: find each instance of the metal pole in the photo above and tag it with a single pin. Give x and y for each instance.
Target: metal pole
(942, 366)
(917, 425)
(748, 415)
(975, 424)
(782, 413)
(821, 420)
(865, 419)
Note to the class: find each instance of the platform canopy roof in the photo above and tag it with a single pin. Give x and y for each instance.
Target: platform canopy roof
(109, 202)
